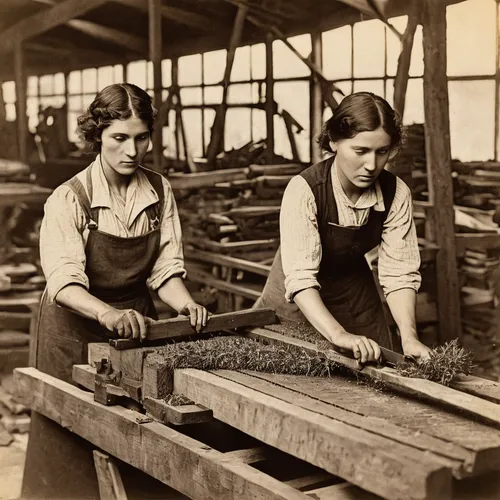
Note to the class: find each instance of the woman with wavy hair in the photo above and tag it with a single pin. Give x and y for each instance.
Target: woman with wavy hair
(109, 236)
(332, 214)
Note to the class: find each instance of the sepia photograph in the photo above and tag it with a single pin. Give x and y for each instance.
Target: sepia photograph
(250, 249)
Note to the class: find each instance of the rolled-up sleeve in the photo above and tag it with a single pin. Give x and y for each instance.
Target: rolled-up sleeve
(62, 243)
(170, 260)
(399, 256)
(299, 238)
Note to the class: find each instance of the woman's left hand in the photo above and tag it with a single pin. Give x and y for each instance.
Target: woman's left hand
(198, 315)
(415, 348)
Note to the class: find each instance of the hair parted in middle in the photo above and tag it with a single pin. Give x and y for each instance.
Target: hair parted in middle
(119, 101)
(360, 112)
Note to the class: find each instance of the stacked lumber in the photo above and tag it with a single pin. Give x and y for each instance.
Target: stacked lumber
(230, 221)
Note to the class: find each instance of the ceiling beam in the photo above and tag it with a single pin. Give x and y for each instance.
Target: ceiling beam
(118, 37)
(45, 20)
(178, 15)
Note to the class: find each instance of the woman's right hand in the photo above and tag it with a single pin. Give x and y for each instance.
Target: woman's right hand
(126, 323)
(363, 348)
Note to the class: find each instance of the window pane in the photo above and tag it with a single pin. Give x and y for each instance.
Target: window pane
(75, 103)
(375, 86)
(59, 84)
(72, 135)
(237, 129)
(46, 85)
(369, 48)
(214, 64)
(136, 73)
(105, 76)
(9, 92)
(394, 48)
(471, 38)
(75, 82)
(472, 120)
(190, 70)
(389, 91)
(166, 72)
(241, 64)
(337, 53)
(191, 96)
(209, 117)
(32, 112)
(119, 78)
(285, 63)
(150, 76)
(168, 135)
(258, 92)
(258, 56)
(32, 86)
(345, 87)
(89, 78)
(239, 94)
(87, 99)
(414, 105)
(192, 126)
(213, 95)
(259, 127)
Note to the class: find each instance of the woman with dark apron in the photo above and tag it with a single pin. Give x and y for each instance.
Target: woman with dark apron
(332, 214)
(110, 234)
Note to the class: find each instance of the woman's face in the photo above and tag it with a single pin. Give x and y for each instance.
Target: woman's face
(360, 159)
(124, 144)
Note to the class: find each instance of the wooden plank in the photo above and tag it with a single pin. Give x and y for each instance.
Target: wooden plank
(177, 415)
(217, 133)
(476, 241)
(457, 458)
(162, 452)
(482, 442)
(379, 465)
(228, 261)
(155, 56)
(98, 351)
(269, 106)
(250, 455)
(84, 375)
(108, 477)
(431, 390)
(205, 179)
(309, 480)
(21, 113)
(342, 491)
(45, 20)
(481, 387)
(438, 156)
(235, 246)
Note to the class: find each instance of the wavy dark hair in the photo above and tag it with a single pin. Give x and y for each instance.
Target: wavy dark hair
(115, 102)
(361, 112)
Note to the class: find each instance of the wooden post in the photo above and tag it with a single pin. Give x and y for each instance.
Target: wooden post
(437, 146)
(215, 144)
(316, 114)
(174, 89)
(21, 116)
(155, 52)
(269, 99)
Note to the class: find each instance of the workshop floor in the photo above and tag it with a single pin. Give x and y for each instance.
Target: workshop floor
(11, 467)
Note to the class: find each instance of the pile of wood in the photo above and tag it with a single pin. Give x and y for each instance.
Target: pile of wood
(14, 417)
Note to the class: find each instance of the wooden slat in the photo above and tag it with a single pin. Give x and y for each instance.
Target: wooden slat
(435, 392)
(250, 455)
(205, 179)
(108, 477)
(154, 448)
(379, 465)
(21, 113)
(177, 415)
(46, 20)
(309, 480)
(452, 435)
(458, 459)
(269, 106)
(342, 491)
(84, 375)
(438, 160)
(481, 387)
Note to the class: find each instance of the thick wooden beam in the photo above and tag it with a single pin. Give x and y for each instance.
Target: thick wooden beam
(316, 98)
(21, 114)
(107, 34)
(269, 99)
(438, 154)
(155, 56)
(162, 452)
(46, 20)
(404, 61)
(217, 137)
(372, 462)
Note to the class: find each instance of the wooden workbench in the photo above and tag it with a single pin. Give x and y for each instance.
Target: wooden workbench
(297, 437)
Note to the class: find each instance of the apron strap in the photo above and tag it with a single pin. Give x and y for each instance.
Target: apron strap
(155, 211)
(388, 183)
(77, 187)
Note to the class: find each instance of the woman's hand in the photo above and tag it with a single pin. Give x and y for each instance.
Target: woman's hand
(363, 348)
(126, 323)
(413, 347)
(198, 315)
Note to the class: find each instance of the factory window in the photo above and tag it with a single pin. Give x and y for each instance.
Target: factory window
(9, 99)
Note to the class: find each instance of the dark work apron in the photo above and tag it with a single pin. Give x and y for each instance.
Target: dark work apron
(348, 288)
(59, 464)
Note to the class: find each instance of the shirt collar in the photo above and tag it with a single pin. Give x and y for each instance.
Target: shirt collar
(140, 192)
(372, 197)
